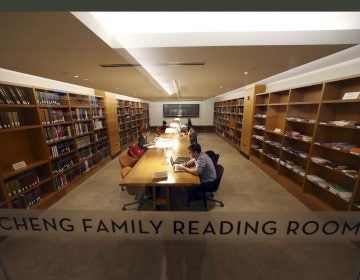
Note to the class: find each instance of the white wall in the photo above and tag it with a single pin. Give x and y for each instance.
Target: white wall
(206, 112)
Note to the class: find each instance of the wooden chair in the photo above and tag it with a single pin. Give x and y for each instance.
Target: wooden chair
(125, 171)
(126, 163)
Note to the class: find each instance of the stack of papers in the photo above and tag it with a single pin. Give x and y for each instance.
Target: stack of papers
(160, 175)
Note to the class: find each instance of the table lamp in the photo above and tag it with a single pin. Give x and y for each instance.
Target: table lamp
(164, 143)
(170, 130)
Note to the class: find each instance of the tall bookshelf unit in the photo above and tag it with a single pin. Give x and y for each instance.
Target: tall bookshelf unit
(228, 117)
(308, 139)
(61, 137)
(133, 118)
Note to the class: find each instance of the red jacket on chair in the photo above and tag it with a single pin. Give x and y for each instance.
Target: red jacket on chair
(135, 152)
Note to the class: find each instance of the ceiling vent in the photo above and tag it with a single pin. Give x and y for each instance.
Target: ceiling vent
(154, 64)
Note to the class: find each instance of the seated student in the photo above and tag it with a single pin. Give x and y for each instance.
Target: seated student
(189, 124)
(161, 130)
(192, 135)
(143, 141)
(200, 165)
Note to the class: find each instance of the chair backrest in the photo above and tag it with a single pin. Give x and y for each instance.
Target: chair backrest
(126, 160)
(213, 186)
(214, 157)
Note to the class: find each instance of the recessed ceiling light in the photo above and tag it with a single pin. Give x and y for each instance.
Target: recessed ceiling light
(76, 76)
(86, 79)
(245, 73)
(117, 88)
(220, 87)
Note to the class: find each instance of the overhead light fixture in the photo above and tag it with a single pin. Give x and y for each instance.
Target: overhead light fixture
(76, 76)
(135, 38)
(86, 79)
(245, 73)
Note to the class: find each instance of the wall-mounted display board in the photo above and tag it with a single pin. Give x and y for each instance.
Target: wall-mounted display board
(308, 139)
(181, 110)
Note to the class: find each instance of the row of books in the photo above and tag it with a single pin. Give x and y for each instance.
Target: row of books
(61, 164)
(273, 143)
(100, 135)
(81, 128)
(261, 116)
(51, 116)
(258, 126)
(98, 124)
(13, 95)
(230, 110)
(355, 124)
(58, 149)
(9, 120)
(86, 165)
(272, 156)
(342, 146)
(257, 148)
(129, 111)
(48, 98)
(336, 166)
(295, 152)
(22, 182)
(124, 103)
(293, 166)
(79, 114)
(97, 112)
(297, 135)
(103, 154)
(27, 200)
(258, 137)
(83, 141)
(301, 120)
(65, 178)
(86, 152)
(94, 101)
(331, 187)
(55, 133)
(101, 145)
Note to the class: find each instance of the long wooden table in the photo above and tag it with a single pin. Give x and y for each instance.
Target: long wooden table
(142, 174)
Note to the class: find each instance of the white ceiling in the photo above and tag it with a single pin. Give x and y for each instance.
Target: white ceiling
(62, 45)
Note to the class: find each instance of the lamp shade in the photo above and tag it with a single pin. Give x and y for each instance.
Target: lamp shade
(170, 130)
(164, 143)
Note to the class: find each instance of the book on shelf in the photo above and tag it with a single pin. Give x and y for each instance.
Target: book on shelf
(351, 95)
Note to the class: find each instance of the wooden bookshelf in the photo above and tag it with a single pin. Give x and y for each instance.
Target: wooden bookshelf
(133, 118)
(228, 120)
(310, 136)
(49, 139)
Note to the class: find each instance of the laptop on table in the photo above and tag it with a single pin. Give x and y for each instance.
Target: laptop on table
(181, 160)
(175, 166)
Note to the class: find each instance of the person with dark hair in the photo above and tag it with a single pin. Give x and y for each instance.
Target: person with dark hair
(161, 130)
(142, 140)
(192, 135)
(200, 164)
(189, 124)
